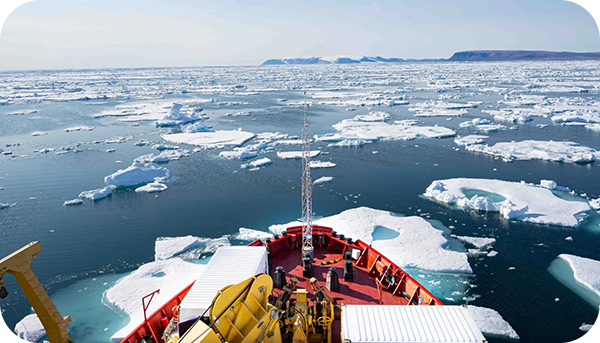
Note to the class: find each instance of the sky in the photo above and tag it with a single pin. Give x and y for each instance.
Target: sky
(72, 34)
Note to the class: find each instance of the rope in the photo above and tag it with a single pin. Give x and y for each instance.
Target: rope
(18, 317)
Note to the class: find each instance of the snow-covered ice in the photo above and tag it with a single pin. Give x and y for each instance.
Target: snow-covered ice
(164, 157)
(39, 133)
(418, 245)
(30, 328)
(490, 322)
(167, 247)
(167, 275)
(321, 164)
(137, 174)
(470, 140)
(566, 151)
(73, 202)
(514, 200)
(210, 139)
(246, 234)
(96, 194)
(323, 179)
(286, 155)
(176, 117)
(80, 128)
(237, 154)
(585, 270)
(257, 163)
(152, 187)
(478, 242)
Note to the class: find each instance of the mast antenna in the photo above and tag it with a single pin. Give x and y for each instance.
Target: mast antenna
(307, 213)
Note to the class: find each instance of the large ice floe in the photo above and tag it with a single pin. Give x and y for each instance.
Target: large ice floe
(170, 276)
(514, 200)
(30, 328)
(491, 323)
(215, 139)
(417, 245)
(570, 152)
(167, 247)
(353, 129)
(137, 174)
(580, 274)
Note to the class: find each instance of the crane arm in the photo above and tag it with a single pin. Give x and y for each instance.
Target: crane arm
(19, 265)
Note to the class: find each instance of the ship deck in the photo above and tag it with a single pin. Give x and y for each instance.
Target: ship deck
(363, 290)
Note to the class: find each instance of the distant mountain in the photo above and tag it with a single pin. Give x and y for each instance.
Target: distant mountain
(343, 60)
(522, 55)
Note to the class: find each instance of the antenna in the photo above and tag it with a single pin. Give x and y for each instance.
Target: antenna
(307, 214)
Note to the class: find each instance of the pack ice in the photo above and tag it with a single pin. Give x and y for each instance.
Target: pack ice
(570, 152)
(521, 201)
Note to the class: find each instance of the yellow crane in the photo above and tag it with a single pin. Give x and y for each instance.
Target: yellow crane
(19, 265)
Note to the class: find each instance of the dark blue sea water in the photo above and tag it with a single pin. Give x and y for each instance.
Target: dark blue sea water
(211, 197)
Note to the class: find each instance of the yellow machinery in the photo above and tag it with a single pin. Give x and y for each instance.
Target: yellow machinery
(242, 314)
(19, 265)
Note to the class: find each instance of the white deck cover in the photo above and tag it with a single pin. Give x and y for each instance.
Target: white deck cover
(229, 265)
(415, 324)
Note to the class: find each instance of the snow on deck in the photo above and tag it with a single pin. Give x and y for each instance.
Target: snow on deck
(523, 201)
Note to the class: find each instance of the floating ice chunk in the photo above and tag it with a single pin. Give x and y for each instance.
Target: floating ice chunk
(4, 205)
(163, 157)
(80, 128)
(585, 270)
(586, 327)
(286, 155)
(169, 276)
(30, 328)
(482, 124)
(595, 204)
(441, 113)
(470, 140)
(490, 322)
(518, 201)
(23, 112)
(257, 163)
(197, 127)
(210, 139)
(373, 116)
(321, 164)
(492, 253)
(73, 202)
(96, 194)
(167, 247)
(478, 242)
(137, 174)
(550, 184)
(570, 239)
(39, 133)
(323, 179)
(512, 115)
(176, 117)
(161, 147)
(152, 187)
(570, 152)
(110, 150)
(418, 245)
(593, 127)
(237, 154)
(245, 234)
(349, 142)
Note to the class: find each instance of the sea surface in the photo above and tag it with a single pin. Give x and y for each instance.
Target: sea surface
(87, 248)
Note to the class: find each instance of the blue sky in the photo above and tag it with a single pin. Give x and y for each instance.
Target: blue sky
(56, 34)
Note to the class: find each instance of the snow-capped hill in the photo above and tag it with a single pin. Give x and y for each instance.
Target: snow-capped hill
(336, 60)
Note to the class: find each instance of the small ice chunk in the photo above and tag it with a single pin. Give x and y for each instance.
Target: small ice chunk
(80, 128)
(570, 239)
(257, 163)
(478, 242)
(492, 253)
(550, 184)
(137, 174)
(152, 187)
(237, 154)
(321, 164)
(30, 328)
(96, 194)
(39, 133)
(595, 204)
(197, 127)
(470, 139)
(296, 154)
(323, 179)
(490, 322)
(73, 202)
(586, 327)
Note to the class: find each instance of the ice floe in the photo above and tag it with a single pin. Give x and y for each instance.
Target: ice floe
(96, 194)
(164, 157)
(323, 179)
(167, 247)
(321, 164)
(490, 322)
(286, 155)
(73, 202)
(261, 162)
(30, 328)
(237, 154)
(470, 140)
(39, 133)
(418, 245)
(137, 174)
(175, 117)
(585, 270)
(170, 276)
(478, 242)
(152, 187)
(246, 234)
(80, 128)
(514, 200)
(484, 125)
(214, 139)
(566, 151)
(373, 116)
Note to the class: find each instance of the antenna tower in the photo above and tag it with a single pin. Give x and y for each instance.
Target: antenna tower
(307, 213)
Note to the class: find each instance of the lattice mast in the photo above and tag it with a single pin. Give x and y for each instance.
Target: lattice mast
(307, 213)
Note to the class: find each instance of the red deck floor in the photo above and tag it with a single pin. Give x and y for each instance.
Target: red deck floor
(363, 290)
